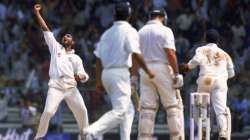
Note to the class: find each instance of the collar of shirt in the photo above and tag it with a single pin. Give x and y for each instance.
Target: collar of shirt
(121, 22)
(212, 45)
(154, 22)
(70, 52)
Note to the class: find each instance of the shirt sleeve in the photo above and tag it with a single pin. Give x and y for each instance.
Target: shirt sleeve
(230, 67)
(196, 60)
(132, 42)
(79, 69)
(168, 40)
(51, 41)
(97, 50)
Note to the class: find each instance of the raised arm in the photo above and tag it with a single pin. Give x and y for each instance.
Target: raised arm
(42, 23)
(48, 35)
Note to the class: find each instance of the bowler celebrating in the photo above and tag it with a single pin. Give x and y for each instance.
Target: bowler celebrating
(66, 69)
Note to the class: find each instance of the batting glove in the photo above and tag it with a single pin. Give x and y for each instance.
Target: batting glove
(178, 81)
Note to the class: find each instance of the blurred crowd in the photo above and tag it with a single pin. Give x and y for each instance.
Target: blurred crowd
(25, 57)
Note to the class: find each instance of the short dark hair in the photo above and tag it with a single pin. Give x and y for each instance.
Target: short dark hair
(158, 12)
(122, 10)
(212, 36)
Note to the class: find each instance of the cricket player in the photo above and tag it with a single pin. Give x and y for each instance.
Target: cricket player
(158, 49)
(66, 69)
(117, 46)
(216, 67)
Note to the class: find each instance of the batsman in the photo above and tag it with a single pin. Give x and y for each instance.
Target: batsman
(158, 48)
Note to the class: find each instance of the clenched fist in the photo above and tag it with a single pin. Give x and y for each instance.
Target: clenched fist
(37, 7)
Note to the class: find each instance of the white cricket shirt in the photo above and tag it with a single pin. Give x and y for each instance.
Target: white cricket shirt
(212, 61)
(63, 65)
(154, 37)
(117, 44)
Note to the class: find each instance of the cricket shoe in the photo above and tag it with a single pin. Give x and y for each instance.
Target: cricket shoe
(222, 135)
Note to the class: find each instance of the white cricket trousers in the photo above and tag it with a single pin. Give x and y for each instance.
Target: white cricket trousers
(117, 84)
(217, 87)
(153, 91)
(75, 103)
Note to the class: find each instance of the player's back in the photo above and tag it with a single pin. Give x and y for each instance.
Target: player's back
(113, 47)
(213, 60)
(154, 36)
